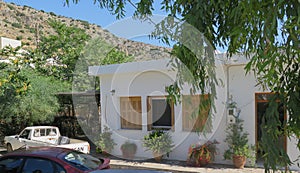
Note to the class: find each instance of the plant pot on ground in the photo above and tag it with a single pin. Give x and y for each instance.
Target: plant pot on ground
(159, 142)
(104, 142)
(128, 150)
(238, 148)
(202, 154)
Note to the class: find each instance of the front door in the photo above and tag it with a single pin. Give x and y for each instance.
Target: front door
(261, 101)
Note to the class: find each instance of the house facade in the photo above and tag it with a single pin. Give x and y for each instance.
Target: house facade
(134, 94)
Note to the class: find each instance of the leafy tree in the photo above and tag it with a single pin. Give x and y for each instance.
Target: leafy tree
(58, 53)
(96, 52)
(13, 84)
(267, 32)
(26, 97)
(40, 104)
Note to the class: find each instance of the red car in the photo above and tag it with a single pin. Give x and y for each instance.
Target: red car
(50, 160)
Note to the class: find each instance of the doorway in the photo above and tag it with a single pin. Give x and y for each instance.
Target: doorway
(261, 105)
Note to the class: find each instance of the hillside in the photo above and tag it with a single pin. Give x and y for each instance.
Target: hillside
(28, 25)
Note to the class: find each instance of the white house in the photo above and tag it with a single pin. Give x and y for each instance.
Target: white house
(132, 94)
(9, 42)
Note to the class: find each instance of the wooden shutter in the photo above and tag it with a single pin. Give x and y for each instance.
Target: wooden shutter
(194, 113)
(131, 112)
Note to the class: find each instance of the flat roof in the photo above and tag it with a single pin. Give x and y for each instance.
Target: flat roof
(152, 65)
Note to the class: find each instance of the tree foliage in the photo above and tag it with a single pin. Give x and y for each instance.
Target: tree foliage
(26, 96)
(266, 31)
(59, 52)
(96, 52)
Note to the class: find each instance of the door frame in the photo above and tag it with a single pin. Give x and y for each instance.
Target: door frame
(256, 118)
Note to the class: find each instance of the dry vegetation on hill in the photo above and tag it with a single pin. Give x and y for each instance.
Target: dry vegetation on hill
(28, 25)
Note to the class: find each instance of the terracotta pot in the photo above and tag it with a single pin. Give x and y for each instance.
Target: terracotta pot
(239, 161)
(157, 156)
(128, 154)
(203, 161)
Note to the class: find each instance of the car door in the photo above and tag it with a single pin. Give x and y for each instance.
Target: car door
(21, 140)
(41, 165)
(10, 164)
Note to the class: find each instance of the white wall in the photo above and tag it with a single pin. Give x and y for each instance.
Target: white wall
(152, 83)
(9, 42)
(144, 84)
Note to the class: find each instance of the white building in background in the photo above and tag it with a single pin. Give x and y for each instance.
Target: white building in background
(132, 94)
(9, 42)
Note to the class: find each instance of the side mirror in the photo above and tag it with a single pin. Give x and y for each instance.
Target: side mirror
(17, 137)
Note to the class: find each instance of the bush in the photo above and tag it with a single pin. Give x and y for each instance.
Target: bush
(16, 25)
(68, 126)
(19, 37)
(158, 141)
(104, 142)
(52, 14)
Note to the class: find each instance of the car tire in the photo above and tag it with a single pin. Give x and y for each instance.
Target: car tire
(9, 148)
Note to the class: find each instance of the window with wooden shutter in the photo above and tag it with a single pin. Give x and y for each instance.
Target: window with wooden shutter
(195, 111)
(131, 112)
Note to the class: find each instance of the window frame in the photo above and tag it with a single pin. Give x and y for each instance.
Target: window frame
(150, 114)
(124, 123)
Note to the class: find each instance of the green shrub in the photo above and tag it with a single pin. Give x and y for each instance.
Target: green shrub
(6, 21)
(16, 25)
(31, 30)
(52, 14)
(19, 37)
(158, 141)
(105, 142)
(10, 7)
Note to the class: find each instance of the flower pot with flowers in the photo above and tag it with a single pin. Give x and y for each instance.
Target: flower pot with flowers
(202, 154)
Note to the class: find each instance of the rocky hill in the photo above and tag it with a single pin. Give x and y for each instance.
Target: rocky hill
(27, 24)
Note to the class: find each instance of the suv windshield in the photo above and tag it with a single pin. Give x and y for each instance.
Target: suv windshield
(82, 161)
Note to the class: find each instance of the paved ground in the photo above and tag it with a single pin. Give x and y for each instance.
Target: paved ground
(171, 166)
(177, 166)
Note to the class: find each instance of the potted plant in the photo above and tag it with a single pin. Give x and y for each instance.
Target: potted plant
(159, 142)
(128, 149)
(105, 143)
(238, 148)
(202, 154)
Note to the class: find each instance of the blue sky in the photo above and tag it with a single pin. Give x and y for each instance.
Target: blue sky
(88, 11)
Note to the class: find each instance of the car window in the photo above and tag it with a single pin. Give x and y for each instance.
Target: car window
(25, 134)
(10, 164)
(43, 132)
(51, 132)
(37, 133)
(82, 161)
(36, 165)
